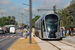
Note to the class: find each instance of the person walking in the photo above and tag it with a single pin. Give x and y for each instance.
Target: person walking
(69, 31)
(27, 32)
(72, 30)
(65, 31)
(61, 31)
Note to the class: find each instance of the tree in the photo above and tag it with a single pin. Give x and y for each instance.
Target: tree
(0, 21)
(35, 19)
(4, 20)
(7, 21)
(16, 23)
(66, 16)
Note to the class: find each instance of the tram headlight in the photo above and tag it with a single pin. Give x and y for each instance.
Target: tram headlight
(49, 29)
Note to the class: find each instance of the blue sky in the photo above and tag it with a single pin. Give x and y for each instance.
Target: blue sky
(13, 7)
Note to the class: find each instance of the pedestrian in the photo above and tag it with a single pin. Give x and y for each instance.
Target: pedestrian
(65, 31)
(72, 30)
(69, 31)
(27, 32)
(61, 31)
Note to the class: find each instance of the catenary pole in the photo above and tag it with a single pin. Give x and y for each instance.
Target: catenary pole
(30, 15)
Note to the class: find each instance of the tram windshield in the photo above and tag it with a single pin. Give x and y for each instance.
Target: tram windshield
(51, 23)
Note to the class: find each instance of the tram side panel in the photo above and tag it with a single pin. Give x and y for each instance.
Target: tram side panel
(40, 29)
(38, 26)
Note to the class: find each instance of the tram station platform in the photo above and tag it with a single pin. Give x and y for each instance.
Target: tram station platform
(23, 44)
(37, 44)
(70, 39)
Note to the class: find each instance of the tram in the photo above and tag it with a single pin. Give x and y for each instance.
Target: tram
(48, 27)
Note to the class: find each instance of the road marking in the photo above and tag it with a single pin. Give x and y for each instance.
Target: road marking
(5, 38)
(9, 36)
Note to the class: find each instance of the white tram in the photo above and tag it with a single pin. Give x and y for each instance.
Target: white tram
(48, 27)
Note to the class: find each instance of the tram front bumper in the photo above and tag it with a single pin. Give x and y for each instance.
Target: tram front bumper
(58, 35)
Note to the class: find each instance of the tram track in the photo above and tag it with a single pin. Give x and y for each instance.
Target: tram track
(59, 48)
(67, 44)
(54, 45)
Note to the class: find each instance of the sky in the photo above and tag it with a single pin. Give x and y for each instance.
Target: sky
(17, 7)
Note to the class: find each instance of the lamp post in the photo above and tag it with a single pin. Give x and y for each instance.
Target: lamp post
(22, 16)
(30, 12)
(1, 12)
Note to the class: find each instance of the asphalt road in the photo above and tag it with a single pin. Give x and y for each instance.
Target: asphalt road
(7, 39)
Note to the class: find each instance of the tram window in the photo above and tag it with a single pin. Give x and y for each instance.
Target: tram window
(51, 23)
(43, 26)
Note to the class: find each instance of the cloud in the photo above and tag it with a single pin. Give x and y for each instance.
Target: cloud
(5, 2)
(13, 8)
(10, 7)
(27, 10)
(67, 5)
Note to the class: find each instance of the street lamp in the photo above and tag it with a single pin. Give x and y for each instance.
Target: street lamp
(25, 4)
(32, 14)
(26, 16)
(22, 16)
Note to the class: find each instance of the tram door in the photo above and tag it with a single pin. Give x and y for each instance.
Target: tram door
(43, 30)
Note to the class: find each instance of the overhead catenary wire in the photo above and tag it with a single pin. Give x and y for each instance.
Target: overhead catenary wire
(42, 6)
(44, 3)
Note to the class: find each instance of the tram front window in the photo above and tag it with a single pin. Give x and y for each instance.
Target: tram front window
(51, 23)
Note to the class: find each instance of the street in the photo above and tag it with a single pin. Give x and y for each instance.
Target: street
(7, 39)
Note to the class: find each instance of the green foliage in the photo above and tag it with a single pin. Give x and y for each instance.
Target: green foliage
(7, 21)
(66, 16)
(35, 19)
